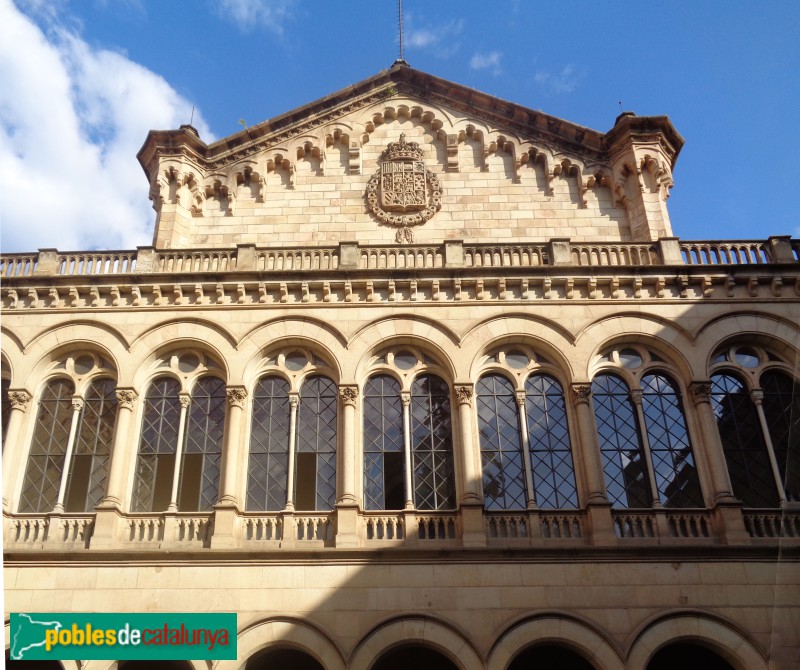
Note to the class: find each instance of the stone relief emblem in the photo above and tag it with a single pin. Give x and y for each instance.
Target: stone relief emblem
(402, 192)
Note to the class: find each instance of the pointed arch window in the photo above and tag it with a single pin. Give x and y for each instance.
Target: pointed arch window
(70, 451)
(292, 461)
(408, 444)
(759, 424)
(644, 442)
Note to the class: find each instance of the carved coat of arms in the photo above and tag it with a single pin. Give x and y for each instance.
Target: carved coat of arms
(402, 193)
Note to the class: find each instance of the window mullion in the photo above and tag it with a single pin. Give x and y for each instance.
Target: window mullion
(757, 397)
(405, 396)
(522, 416)
(77, 407)
(294, 402)
(185, 400)
(636, 398)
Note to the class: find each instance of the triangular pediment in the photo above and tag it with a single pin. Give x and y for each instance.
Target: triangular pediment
(346, 134)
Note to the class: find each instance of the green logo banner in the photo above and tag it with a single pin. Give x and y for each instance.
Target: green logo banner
(122, 637)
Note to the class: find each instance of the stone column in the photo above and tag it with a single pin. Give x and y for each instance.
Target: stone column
(600, 525)
(473, 528)
(233, 452)
(77, 408)
(108, 513)
(526, 448)
(20, 401)
(347, 503)
(294, 403)
(757, 397)
(405, 396)
(349, 396)
(636, 398)
(226, 516)
(728, 519)
(120, 451)
(185, 400)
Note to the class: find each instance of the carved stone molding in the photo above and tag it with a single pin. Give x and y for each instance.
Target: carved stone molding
(402, 192)
(236, 396)
(19, 400)
(581, 393)
(349, 395)
(700, 392)
(126, 398)
(464, 394)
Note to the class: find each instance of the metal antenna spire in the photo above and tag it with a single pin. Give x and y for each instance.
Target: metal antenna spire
(400, 25)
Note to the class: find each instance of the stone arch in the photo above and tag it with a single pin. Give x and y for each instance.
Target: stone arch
(404, 328)
(421, 630)
(209, 337)
(661, 334)
(49, 338)
(780, 333)
(560, 629)
(713, 633)
(285, 632)
(541, 334)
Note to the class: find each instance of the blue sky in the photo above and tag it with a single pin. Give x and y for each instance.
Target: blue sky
(83, 81)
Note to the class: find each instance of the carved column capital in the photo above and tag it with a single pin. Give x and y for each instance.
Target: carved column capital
(185, 400)
(77, 403)
(464, 394)
(126, 398)
(757, 396)
(581, 393)
(636, 396)
(294, 400)
(349, 395)
(519, 396)
(20, 400)
(700, 392)
(405, 397)
(236, 396)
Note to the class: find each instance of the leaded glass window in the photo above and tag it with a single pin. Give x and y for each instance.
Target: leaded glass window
(315, 468)
(384, 462)
(202, 453)
(86, 484)
(624, 465)
(432, 444)
(269, 446)
(155, 462)
(782, 411)
(501, 455)
(551, 452)
(743, 442)
(48, 448)
(670, 449)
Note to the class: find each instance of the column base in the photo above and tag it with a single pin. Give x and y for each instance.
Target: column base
(729, 523)
(108, 527)
(347, 525)
(473, 526)
(600, 525)
(226, 526)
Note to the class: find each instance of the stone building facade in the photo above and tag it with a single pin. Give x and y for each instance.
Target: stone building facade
(414, 375)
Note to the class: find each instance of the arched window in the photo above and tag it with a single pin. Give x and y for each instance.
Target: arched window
(408, 444)
(645, 447)
(180, 447)
(71, 448)
(759, 424)
(524, 435)
(292, 461)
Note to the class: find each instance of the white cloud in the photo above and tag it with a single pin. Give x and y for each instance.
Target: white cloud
(565, 81)
(442, 40)
(488, 61)
(247, 14)
(72, 119)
